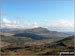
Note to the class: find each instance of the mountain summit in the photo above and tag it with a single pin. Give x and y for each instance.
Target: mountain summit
(40, 33)
(37, 30)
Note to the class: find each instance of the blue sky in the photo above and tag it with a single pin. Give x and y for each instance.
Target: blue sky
(38, 12)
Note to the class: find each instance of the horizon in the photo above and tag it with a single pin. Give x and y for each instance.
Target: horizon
(53, 15)
(13, 29)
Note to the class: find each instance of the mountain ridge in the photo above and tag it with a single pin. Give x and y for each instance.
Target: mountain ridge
(41, 33)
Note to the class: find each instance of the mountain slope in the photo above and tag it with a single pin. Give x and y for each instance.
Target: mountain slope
(68, 42)
(45, 32)
(64, 45)
(41, 33)
(8, 38)
(30, 35)
(41, 47)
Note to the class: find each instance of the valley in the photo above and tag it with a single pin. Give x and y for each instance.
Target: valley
(37, 41)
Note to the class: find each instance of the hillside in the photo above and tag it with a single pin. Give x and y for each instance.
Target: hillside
(41, 33)
(68, 42)
(8, 38)
(45, 47)
(64, 45)
(38, 31)
(36, 41)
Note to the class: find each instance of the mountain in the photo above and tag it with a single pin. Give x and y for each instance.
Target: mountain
(33, 30)
(37, 30)
(35, 33)
(11, 30)
(8, 29)
(45, 32)
(40, 33)
(71, 33)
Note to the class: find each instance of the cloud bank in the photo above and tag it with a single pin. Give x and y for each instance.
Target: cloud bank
(53, 25)
(5, 23)
(60, 25)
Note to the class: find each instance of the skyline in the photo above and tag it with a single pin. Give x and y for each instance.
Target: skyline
(54, 15)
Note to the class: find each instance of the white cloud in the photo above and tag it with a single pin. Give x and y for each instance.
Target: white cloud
(6, 21)
(60, 25)
(53, 25)
(36, 24)
(17, 24)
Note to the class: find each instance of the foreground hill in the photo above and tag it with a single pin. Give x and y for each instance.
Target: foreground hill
(69, 41)
(44, 47)
(64, 45)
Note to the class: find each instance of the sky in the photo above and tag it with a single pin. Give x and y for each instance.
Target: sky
(53, 15)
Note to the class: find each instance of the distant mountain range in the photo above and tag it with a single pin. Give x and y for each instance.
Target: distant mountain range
(9, 29)
(32, 30)
(73, 33)
(36, 33)
(40, 33)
